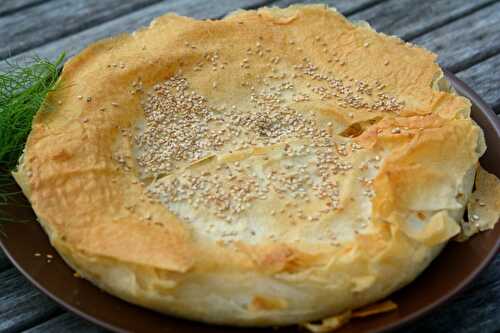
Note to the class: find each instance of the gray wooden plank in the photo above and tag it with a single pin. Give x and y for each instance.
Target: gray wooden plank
(21, 305)
(460, 43)
(75, 43)
(54, 19)
(406, 24)
(483, 77)
(408, 19)
(10, 6)
(344, 6)
(66, 322)
(466, 41)
(4, 262)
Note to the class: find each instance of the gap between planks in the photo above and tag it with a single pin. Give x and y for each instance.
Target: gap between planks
(438, 7)
(401, 23)
(22, 305)
(12, 6)
(452, 30)
(480, 75)
(131, 21)
(467, 41)
(4, 261)
(52, 20)
(346, 7)
(458, 41)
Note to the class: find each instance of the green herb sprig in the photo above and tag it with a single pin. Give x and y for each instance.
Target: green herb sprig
(23, 89)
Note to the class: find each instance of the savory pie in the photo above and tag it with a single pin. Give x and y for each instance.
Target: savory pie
(274, 167)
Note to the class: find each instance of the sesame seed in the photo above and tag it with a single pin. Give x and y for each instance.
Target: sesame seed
(182, 127)
(396, 130)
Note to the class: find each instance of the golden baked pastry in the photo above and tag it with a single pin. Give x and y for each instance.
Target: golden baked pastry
(274, 167)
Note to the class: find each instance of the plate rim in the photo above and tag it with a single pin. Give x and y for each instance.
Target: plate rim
(462, 89)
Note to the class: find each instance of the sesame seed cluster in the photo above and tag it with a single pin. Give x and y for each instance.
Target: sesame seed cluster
(177, 127)
(187, 145)
(348, 91)
(291, 173)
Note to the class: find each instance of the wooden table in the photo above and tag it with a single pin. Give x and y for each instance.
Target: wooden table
(465, 34)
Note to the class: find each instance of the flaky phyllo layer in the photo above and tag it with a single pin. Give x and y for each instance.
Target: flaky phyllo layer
(274, 167)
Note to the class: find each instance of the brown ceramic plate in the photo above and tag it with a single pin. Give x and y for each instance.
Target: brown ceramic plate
(455, 267)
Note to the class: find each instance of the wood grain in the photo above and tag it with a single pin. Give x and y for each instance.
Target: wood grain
(397, 22)
(466, 41)
(460, 43)
(38, 25)
(10, 6)
(21, 305)
(4, 262)
(75, 43)
(344, 6)
(484, 77)
(66, 322)
(406, 19)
